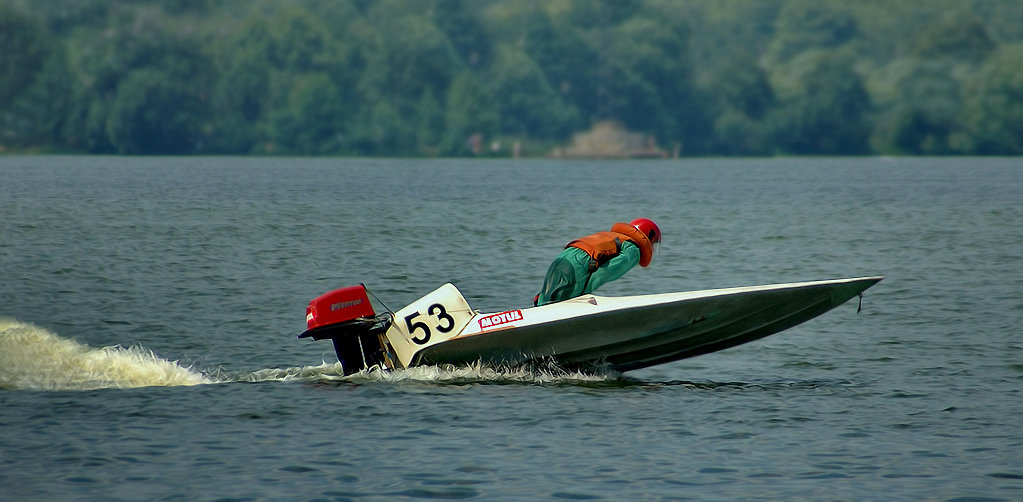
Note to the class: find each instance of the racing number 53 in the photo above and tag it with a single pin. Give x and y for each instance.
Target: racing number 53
(436, 310)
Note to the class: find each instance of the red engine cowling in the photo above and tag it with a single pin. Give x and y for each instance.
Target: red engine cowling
(337, 306)
(346, 317)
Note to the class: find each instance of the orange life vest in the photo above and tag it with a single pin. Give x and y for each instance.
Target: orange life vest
(603, 246)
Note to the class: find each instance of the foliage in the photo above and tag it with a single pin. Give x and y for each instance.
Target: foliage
(993, 109)
(829, 115)
(811, 25)
(442, 77)
(958, 36)
(924, 115)
(33, 81)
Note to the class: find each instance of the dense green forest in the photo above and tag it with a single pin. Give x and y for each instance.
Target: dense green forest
(424, 77)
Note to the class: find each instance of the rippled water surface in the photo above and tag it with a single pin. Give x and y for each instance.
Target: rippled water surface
(149, 307)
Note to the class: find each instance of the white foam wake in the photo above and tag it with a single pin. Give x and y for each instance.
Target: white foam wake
(445, 374)
(33, 358)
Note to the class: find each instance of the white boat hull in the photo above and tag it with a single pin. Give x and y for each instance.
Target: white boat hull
(634, 332)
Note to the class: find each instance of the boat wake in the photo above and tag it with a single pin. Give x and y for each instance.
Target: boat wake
(34, 358)
(444, 374)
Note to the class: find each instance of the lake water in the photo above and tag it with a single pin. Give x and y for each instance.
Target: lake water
(150, 308)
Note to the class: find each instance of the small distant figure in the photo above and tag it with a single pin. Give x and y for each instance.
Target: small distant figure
(589, 262)
(475, 143)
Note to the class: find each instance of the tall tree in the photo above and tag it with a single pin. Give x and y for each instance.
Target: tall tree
(925, 112)
(525, 101)
(810, 24)
(959, 36)
(992, 122)
(651, 86)
(830, 115)
(470, 112)
(265, 58)
(33, 81)
(743, 98)
(568, 56)
(462, 23)
(311, 120)
(140, 67)
(408, 56)
(154, 113)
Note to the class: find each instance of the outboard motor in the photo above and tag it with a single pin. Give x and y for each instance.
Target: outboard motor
(346, 317)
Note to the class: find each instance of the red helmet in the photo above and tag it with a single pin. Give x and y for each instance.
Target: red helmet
(650, 229)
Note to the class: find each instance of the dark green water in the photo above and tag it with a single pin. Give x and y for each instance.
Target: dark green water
(200, 269)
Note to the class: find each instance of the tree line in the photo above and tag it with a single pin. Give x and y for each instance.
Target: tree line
(430, 77)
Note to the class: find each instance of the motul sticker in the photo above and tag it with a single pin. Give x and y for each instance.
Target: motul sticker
(498, 319)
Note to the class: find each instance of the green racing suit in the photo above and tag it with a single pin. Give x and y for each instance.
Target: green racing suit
(569, 275)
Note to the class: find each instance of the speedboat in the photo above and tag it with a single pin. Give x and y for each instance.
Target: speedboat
(622, 333)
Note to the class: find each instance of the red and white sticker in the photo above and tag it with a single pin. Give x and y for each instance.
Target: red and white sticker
(498, 319)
